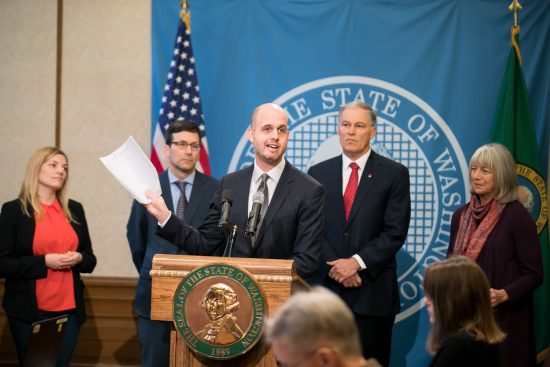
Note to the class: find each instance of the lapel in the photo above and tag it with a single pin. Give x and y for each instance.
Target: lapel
(333, 188)
(165, 188)
(76, 224)
(240, 203)
(240, 193)
(197, 192)
(26, 231)
(281, 193)
(372, 168)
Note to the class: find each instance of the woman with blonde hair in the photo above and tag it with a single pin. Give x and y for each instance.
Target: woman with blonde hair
(497, 232)
(464, 331)
(44, 246)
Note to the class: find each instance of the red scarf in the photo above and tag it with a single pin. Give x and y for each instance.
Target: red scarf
(471, 237)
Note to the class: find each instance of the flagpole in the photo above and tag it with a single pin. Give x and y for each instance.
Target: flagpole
(515, 7)
(514, 127)
(185, 14)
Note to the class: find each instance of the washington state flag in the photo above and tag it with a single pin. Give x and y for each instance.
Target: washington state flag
(514, 128)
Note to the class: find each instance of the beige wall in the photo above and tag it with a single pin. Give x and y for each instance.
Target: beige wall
(105, 98)
(27, 85)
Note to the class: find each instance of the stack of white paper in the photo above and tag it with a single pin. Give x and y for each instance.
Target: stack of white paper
(133, 169)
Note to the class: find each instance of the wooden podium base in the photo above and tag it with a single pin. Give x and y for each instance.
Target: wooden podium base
(276, 278)
(180, 355)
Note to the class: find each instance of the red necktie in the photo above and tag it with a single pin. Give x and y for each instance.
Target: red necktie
(351, 188)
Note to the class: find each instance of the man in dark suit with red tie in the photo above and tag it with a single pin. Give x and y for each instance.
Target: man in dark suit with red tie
(367, 212)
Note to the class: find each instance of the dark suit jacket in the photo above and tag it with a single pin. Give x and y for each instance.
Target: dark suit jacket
(292, 228)
(375, 230)
(21, 268)
(144, 243)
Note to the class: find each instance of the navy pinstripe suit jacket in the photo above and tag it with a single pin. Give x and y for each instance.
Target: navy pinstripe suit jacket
(292, 227)
(141, 232)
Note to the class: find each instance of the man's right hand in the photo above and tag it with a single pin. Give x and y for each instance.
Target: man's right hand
(157, 207)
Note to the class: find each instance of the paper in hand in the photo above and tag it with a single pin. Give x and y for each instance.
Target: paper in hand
(133, 169)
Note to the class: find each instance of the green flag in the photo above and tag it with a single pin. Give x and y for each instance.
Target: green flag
(514, 128)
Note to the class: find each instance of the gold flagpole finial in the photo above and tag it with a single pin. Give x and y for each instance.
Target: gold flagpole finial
(515, 7)
(185, 14)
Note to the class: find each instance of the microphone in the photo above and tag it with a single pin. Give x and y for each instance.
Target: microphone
(227, 201)
(254, 216)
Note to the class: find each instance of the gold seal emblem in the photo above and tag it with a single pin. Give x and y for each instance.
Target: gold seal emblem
(220, 303)
(532, 194)
(219, 311)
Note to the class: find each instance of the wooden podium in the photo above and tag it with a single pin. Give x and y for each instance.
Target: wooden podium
(276, 278)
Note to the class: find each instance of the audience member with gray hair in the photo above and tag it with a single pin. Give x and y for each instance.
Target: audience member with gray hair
(315, 328)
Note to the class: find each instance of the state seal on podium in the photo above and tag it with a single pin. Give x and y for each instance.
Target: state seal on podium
(219, 310)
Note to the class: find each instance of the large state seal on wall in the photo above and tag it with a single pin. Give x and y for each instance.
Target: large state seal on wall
(219, 311)
(408, 131)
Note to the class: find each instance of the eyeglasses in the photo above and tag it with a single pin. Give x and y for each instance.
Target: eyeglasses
(184, 145)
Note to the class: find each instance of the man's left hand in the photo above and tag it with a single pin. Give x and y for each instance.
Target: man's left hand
(343, 269)
(353, 282)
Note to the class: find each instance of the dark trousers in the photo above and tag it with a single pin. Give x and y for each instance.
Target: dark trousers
(21, 334)
(154, 337)
(375, 333)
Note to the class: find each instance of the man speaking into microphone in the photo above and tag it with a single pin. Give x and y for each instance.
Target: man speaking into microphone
(287, 225)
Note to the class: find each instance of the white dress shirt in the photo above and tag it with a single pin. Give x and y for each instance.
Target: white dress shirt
(346, 173)
(274, 177)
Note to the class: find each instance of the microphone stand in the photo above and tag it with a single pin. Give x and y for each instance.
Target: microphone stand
(230, 241)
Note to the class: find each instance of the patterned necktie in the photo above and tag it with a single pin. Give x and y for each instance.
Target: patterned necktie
(351, 188)
(182, 202)
(262, 187)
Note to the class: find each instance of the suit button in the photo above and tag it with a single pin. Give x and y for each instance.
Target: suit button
(346, 234)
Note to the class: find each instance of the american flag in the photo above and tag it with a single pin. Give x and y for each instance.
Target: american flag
(181, 98)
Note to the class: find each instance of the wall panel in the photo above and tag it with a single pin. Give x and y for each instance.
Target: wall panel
(27, 85)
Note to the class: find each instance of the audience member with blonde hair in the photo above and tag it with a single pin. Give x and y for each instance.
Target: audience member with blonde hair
(44, 246)
(316, 328)
(464, 331)
(495, 230)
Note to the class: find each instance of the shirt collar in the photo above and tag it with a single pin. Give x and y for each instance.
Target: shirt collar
(189, 179)
(361, 162)
(275, 173)
(54, 205)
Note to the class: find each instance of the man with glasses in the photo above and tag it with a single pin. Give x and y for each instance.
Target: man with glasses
(187, 192)
(292, 225)
(315, 329)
